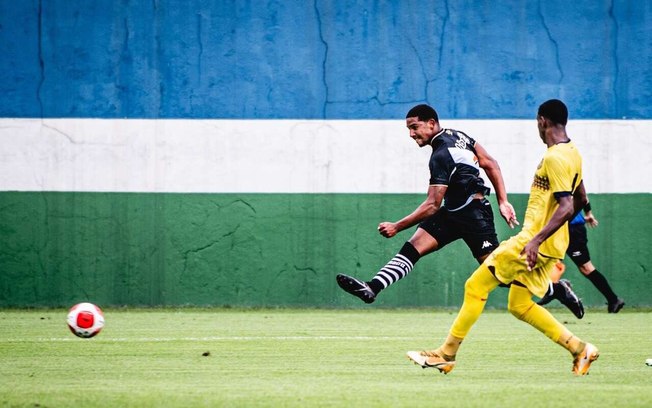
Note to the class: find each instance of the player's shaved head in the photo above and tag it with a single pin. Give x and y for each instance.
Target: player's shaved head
(423, 112)
(555, 111)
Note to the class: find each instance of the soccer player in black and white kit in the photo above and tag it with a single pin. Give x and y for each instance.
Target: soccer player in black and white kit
(456, 206)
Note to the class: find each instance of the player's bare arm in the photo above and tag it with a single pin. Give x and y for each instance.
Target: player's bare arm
(568, 207)
(492, 169)
(428, 208)
(580, 199)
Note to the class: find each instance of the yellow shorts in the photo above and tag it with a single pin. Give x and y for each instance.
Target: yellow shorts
(510, 266)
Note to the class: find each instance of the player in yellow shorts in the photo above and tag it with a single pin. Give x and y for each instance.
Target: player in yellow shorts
(526, 260)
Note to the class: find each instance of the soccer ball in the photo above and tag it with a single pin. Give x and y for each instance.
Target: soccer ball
(85, 320)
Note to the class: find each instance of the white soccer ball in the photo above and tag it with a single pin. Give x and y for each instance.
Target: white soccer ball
(85, 320)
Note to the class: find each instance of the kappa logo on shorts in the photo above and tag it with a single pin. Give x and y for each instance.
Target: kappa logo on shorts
(576, 253)
(486, 244)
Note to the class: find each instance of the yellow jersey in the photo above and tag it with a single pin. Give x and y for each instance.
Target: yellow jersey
(559, 172)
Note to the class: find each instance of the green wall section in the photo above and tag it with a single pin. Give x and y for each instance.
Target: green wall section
(262, 250)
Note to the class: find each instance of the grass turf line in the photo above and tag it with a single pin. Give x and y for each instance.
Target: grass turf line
(148, 357)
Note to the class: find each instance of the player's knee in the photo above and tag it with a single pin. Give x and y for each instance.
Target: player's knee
(518, 309)
(586, 268)
(517, 304)
(473, 288)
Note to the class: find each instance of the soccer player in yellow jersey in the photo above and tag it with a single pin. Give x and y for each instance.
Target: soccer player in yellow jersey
(526, 260)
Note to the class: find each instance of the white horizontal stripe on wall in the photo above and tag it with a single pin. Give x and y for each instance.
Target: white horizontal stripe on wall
(292, 156)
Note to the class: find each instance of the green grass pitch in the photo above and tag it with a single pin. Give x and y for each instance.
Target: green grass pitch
(300, 358)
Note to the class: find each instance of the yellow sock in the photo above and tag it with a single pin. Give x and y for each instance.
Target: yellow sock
(520, 304)
(448, 350)
(571, 343)
(476, 291)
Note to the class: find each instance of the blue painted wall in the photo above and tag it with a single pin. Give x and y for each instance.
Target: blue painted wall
(323, 59)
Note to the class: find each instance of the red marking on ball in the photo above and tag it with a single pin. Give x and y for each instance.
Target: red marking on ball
(85, 319)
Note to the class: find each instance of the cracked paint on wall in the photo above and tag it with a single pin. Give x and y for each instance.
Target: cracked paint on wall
(324, 59)
(99, 204)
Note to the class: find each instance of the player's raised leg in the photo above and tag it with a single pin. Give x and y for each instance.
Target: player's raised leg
(396, 269)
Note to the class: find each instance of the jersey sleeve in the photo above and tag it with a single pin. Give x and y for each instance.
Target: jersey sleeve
(441, 167)
(560, 174)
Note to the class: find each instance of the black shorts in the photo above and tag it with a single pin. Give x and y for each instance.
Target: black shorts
(473, 223)
(578, 249)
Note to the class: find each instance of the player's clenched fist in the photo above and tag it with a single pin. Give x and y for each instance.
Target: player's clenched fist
(387, 229)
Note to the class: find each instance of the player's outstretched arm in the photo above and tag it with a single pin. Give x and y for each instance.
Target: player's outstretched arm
(492, 169)
(428, 208)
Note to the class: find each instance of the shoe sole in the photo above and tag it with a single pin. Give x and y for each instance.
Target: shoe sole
(422, 362)
(344, 283)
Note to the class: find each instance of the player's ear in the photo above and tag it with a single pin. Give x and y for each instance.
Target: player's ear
(542, 122)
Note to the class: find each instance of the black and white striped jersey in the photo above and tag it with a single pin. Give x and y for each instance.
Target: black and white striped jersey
(454, 163)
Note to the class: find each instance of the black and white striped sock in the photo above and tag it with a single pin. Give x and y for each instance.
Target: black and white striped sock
(396, 269)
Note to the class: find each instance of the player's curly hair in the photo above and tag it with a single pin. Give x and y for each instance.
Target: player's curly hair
(555, 111)
(423, 112)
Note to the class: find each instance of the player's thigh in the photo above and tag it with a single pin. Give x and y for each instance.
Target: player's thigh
(478, 230)
(423, 242)
(481, 244)
(509, 266)
(578, 249)
(435, 233)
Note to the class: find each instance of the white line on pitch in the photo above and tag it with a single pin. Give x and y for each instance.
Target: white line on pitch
(210, 338)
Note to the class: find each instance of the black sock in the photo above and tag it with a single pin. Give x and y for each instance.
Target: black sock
(600, 282)
(396, 269)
